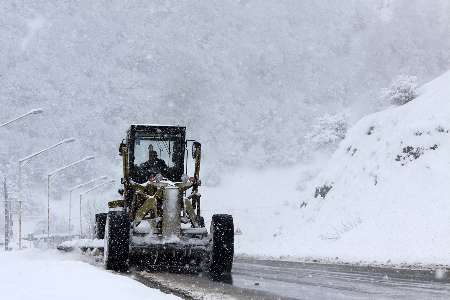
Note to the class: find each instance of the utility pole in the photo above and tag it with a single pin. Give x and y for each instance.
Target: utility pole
(7, 215)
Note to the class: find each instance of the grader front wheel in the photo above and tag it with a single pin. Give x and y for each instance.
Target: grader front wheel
(117, 241)
(222, 229)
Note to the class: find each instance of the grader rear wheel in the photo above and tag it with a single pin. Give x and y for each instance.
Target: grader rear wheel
(100, 223)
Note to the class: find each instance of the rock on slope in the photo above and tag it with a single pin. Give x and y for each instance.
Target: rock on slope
(385, 194)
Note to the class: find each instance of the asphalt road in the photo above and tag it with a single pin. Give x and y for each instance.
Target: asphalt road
(253, 279)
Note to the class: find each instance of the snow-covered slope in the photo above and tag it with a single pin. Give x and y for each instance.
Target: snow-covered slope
(390, 185)
(389, 200)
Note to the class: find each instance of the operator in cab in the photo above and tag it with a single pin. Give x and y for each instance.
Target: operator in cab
(151, 167)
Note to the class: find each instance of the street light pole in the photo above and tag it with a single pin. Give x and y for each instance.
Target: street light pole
(49, 176)
(81, 218)
(81, 199)
(48, 208)
(31, 112)
(77, 187)
(7, 215)
(23, 160)
(20, 205)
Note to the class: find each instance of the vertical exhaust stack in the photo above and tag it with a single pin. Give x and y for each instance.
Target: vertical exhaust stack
(171, 226)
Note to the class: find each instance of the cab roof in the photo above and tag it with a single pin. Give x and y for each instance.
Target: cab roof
(156, 129)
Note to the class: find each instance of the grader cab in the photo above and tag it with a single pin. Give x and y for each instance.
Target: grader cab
(158, 221)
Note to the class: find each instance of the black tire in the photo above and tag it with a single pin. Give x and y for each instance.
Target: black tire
(222, 252)
(100, 223)
(117, 241)
(201, 221)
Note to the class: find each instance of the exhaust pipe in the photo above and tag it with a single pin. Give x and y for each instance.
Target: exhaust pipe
(171, 226)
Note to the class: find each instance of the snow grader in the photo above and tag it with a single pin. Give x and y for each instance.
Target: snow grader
(158, 222)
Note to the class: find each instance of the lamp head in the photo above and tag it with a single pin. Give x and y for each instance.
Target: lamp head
(66, 141)
(36, 111)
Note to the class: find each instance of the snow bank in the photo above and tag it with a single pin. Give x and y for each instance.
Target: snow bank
(383, 197)
(41, 275)
(83, 243)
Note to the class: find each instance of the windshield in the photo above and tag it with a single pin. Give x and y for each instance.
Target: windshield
(146, 148)
(157, 153)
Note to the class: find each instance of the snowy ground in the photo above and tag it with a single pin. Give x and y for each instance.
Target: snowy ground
(388, 201)
(263, 211)
(46, 275)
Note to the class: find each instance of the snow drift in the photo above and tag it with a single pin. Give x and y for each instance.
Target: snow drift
(385, 195)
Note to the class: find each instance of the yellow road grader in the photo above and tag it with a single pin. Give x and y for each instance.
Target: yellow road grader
(158, 221)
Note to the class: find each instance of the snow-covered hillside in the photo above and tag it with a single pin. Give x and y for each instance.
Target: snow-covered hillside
(389, 192)
(384, 195)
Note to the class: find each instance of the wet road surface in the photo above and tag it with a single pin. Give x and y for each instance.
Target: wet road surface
(254, 279)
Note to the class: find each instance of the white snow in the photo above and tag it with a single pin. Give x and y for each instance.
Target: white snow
(47, 275)
(265, 208)
(83, 243)
(384, 205)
